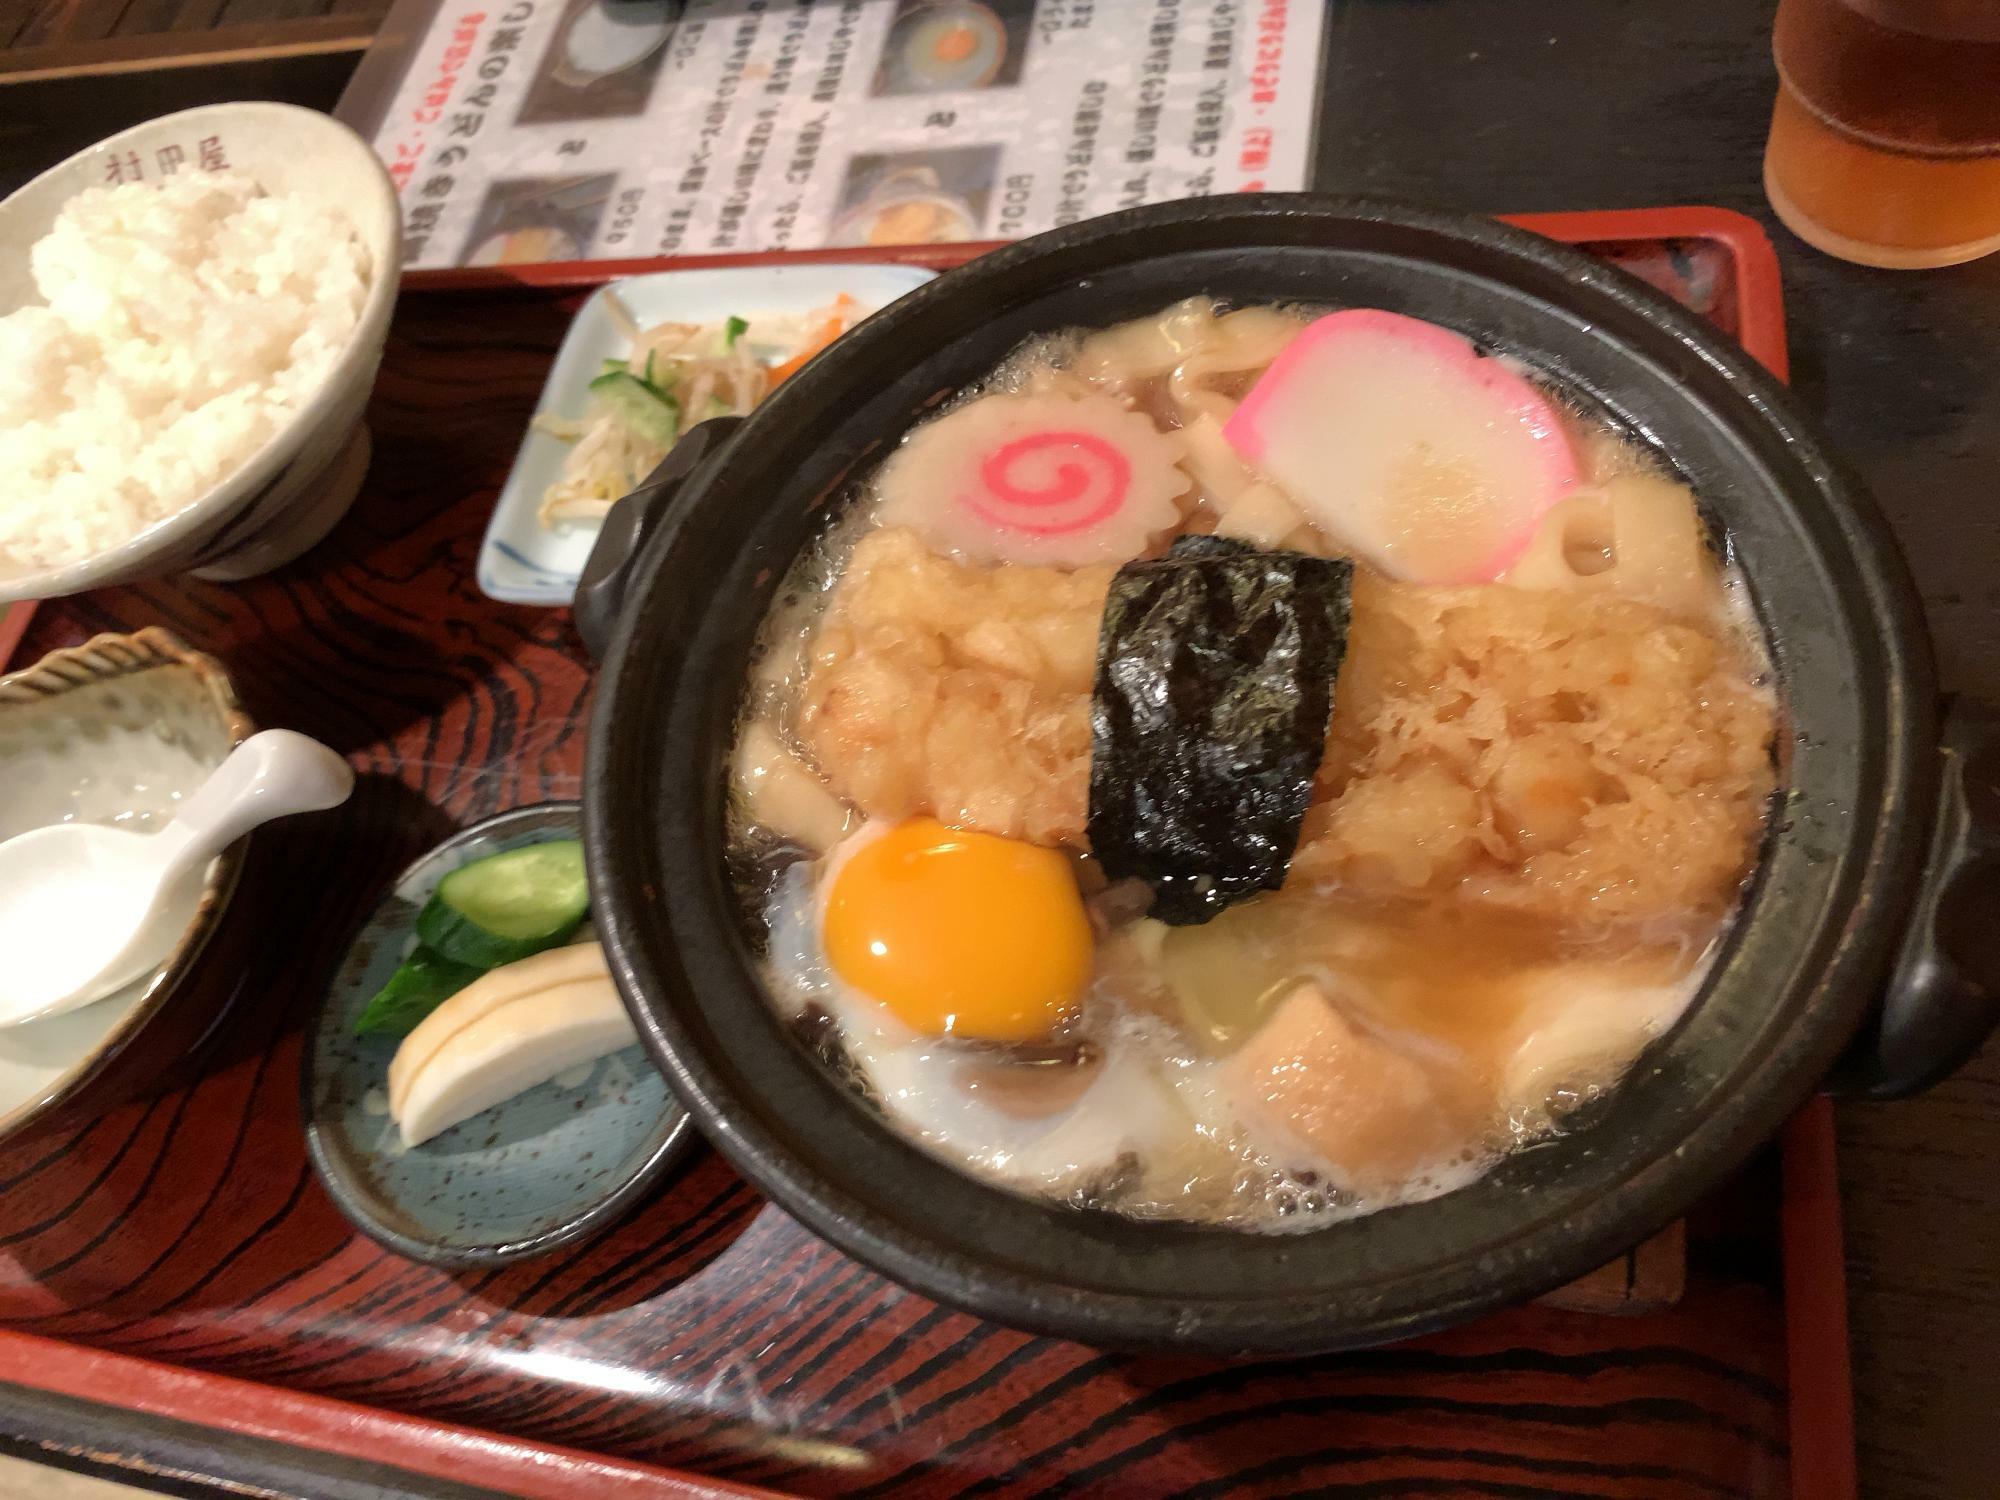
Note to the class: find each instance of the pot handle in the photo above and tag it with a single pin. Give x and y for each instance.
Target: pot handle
(600, 591)
(1943, 995)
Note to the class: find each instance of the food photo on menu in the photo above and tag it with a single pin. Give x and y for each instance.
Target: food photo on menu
(890, 746)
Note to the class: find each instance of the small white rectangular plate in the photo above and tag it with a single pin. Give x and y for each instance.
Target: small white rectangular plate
(524, 562)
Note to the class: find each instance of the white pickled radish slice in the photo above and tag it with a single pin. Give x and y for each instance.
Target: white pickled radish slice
(509, 1050)
(1047, 480)
(1408, 447)
(486, 994)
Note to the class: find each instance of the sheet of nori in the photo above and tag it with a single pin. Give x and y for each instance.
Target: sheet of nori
(1215, 670)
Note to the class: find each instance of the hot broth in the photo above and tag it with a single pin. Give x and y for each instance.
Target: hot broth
(1540, 788)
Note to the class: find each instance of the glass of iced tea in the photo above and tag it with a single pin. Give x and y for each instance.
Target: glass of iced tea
(1885, 147)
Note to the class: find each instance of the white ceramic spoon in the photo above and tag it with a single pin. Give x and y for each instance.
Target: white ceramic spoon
(85, 910)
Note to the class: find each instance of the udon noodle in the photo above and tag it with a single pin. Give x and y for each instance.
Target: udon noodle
(1538, 796)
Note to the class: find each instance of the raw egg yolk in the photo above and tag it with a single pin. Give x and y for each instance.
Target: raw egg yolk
(956, 45)
(960, 933)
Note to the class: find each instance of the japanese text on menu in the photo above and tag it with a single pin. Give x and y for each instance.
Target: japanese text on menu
(555, 129)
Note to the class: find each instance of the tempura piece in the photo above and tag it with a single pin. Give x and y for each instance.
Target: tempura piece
(1578, 755)
(957, 691)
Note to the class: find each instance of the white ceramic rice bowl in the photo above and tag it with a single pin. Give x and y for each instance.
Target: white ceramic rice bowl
(289, 493)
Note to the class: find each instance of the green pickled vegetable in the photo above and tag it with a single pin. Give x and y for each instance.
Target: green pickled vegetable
(650, 413)
(424, 982)
(501, 909)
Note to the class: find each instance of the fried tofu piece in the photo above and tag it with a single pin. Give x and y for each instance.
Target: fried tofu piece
(1376, 1115)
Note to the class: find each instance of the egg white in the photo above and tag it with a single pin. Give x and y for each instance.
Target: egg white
(1128, 1107)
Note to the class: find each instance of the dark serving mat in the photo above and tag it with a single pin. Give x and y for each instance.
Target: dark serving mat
(710, 1332)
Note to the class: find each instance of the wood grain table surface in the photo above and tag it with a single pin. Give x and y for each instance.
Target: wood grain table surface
(1531, 105)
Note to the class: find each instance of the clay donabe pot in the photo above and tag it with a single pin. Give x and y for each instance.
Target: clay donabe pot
(1859, 951)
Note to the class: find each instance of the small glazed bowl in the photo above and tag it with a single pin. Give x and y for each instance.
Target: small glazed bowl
(115, 731)
(560, 1163)
(288, 494)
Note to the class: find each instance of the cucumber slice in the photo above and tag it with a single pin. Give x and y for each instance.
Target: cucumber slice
(652, 416)
(501, 909)
(424, 982)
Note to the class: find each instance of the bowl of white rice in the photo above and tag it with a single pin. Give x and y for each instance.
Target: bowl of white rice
(191, 316)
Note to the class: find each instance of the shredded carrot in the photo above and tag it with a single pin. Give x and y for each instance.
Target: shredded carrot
(826, 333)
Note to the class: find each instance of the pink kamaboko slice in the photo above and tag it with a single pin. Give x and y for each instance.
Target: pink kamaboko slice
(1057, 481)
(1407, 446)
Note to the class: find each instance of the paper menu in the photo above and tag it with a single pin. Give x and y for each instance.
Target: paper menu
(526, 130)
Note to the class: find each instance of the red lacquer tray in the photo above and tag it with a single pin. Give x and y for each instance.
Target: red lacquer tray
(175, 1259)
